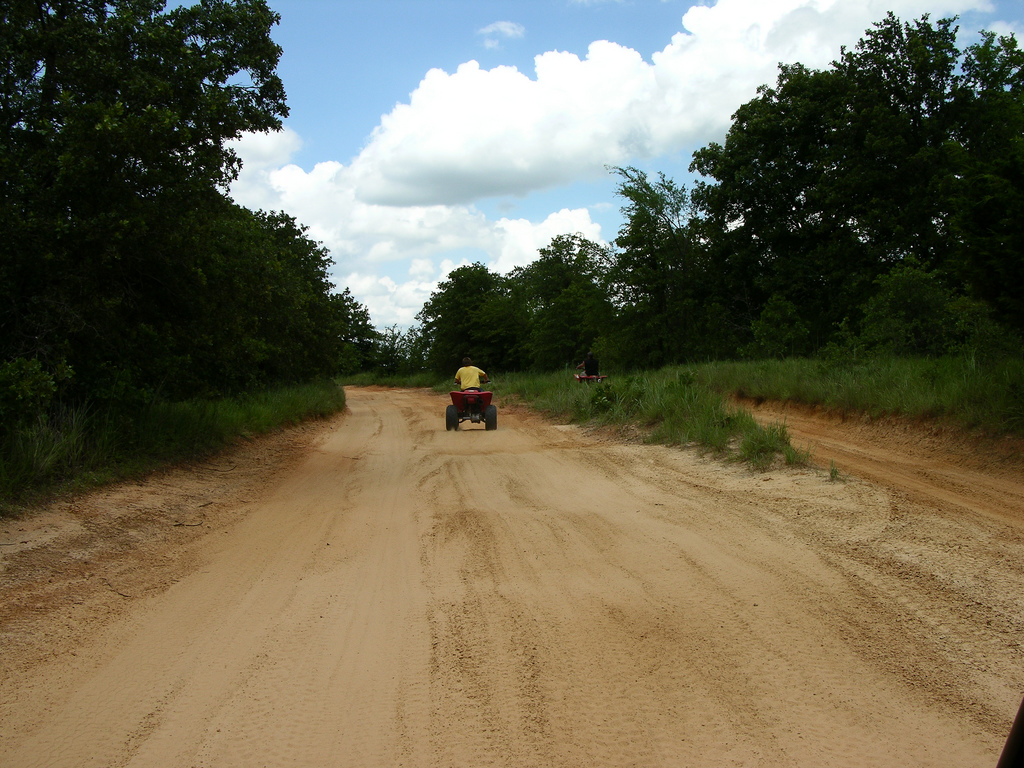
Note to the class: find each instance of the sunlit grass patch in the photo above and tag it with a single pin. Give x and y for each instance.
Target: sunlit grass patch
(761, 444)
(670, 404)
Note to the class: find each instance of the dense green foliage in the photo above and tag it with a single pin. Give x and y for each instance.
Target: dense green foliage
(872, 208)
(125, 272)
(833, 179)
(128, 279)
(82, 446)
(539, 316)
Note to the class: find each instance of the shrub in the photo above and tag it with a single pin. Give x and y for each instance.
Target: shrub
(909, 315)
(26, 390)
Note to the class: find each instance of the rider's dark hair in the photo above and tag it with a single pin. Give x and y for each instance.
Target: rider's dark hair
(466, 361)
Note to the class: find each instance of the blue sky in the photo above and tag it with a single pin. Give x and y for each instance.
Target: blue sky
(425, 134)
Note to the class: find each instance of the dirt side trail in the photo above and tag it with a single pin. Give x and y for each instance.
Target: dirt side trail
(929, 463)
(375, 591)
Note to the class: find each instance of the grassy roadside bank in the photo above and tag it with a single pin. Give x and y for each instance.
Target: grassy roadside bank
(670, 405)
(77, 448)
(962, 391)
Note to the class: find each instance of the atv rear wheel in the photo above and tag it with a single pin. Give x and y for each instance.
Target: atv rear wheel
(451, 418)
(491, 417)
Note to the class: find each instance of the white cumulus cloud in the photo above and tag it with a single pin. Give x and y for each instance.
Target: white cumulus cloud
(408, 197)
(521, 239)
(476, 133)
(366, 240)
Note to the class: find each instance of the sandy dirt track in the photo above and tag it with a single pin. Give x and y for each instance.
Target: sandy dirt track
(375, 591)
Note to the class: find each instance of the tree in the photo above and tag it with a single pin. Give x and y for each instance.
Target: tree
(779, 331)
(651, 276)
(258, 309)
(397, 352)
(114, 119)
(566, 305)
(772, 225)
(356, 334)
(909, 315)
(466, 316)
(905, 148)
(987, 188)
(902, 78)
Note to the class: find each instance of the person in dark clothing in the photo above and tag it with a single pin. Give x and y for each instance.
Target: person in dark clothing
(589, 365)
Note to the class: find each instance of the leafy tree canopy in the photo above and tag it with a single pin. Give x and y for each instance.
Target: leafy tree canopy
(905, 147)
(458, 319)
(125, 272)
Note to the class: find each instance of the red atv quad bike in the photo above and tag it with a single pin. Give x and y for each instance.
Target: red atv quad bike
(582, 378)
(471, 406)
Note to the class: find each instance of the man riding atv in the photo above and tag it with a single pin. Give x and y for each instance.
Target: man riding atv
(468, 377)
(470, 403)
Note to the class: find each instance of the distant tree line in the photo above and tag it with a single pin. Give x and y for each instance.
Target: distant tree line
(126, 274)
(876, 206)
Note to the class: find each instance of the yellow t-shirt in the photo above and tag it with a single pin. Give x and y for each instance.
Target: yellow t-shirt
(469, 376)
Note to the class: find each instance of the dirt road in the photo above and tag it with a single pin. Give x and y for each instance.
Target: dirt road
(375, 591)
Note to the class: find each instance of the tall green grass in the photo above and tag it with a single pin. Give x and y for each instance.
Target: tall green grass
(670, 405)
(961, 390)
(72, 448)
